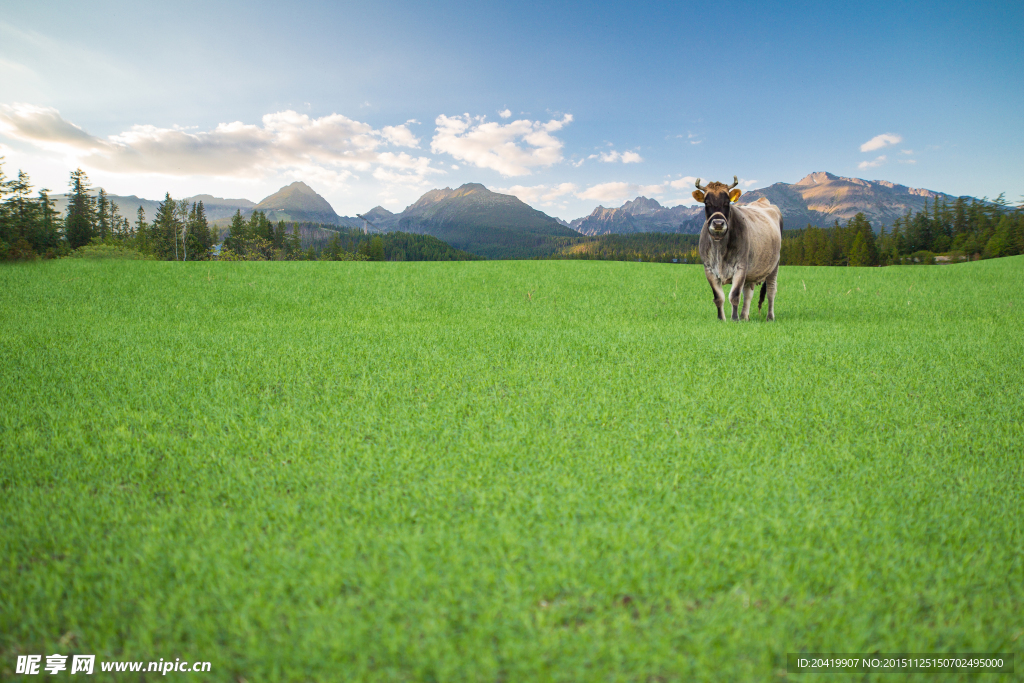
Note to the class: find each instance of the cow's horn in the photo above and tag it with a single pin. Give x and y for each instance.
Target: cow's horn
(698, 185)
(735, 182)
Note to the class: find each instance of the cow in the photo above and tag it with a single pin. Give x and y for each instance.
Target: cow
(739, 245)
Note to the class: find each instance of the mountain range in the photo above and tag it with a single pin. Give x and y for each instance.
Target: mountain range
(477, 220)
(495, 225)
(817, 199)
(297, 202)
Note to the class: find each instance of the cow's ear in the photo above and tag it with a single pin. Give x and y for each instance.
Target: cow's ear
(734, 195)
(699, 196)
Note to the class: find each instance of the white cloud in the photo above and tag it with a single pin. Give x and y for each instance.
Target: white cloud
(605, 192)
(400, 135)
(330, 146)
(685, 183)
(44, 127)
(505, 113)
(511, 149)
(872, 164)
(619, 191)
(880, 141)
(613, 156)
(539, 194)
(747, 183)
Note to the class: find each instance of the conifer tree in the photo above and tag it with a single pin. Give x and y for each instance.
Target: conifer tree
(199, 239)
(165, 229)
(44, 235)
(279, 235)
(142, 231)
(376, 248)
(103, 222)
(21, 212)
(295, 242)
(238, 233)
(116, 230)
(80, 223)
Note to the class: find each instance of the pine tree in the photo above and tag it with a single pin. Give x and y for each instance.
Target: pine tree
(165, 229)
(238, 233)
(45, 236)
(116, 229)
(103, 222)
(279, 235)
(80, 223)
(142, 231)
(199, 238)
(20, 210)
(295, 242)
(376, 248)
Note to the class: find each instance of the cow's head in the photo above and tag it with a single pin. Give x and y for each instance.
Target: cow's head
(717, 198)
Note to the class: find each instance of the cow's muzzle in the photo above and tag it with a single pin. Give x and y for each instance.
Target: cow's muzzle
(717, 226)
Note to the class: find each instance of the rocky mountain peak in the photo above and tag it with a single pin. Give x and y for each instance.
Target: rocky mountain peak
(817, 178)
(642, 205)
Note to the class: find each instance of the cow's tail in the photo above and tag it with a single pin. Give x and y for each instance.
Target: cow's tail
(764, 290)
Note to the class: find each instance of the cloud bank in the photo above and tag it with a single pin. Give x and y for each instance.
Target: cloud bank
(511, 149)
(332, 146)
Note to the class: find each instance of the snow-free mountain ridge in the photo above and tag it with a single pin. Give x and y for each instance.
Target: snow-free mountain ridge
(818, 199)
(473, 217)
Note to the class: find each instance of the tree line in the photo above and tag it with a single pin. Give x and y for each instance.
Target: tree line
(651, 247)
(944, 231)
(31, 227)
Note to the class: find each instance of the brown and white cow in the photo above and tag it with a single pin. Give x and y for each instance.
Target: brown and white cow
(739, 245)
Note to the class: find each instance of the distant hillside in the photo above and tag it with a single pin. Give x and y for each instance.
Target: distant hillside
(479, 221)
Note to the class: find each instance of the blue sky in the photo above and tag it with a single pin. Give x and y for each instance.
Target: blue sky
(567, 105)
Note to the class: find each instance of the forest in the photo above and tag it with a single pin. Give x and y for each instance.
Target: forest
(944, 232)
(93, 226)
(652, 247)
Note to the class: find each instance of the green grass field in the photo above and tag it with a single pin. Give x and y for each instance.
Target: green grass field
(507, 471)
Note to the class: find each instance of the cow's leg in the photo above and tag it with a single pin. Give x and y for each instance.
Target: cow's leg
(772, 284)
(716, 290)
(738, 282)
(748, 294)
